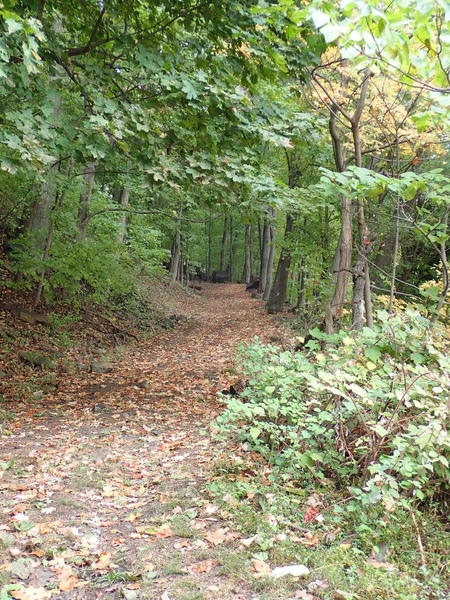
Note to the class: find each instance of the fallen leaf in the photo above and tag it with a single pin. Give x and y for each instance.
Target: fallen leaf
(30, 593)
(203, 566)
(303, 595)
(312, 514)
(181, 544)
(66, 579)
(381, 565)
(221, 535)
(103, 562)
(248, 541)
(307, 539)
(161, 532)
(23, 567)
(260, 568)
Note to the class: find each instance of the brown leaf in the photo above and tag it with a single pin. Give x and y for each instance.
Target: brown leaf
(221, 535)
(381, 565)
(103, 562)
(260, 568)
(66, 579)
(203, 566)
(30, 593)
(307, 539)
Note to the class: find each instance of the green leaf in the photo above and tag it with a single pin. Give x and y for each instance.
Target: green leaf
(373, 353)
(255, 432)
(13, 25)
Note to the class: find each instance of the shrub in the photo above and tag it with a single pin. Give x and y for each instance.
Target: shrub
(367, 412)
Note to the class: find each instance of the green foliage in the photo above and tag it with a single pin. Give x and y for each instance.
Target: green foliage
(367, 412)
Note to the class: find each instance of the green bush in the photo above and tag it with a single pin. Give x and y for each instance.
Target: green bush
(366, 411)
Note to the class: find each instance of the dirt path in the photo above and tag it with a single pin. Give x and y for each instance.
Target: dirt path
(103, 482)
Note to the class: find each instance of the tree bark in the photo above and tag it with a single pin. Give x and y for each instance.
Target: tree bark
(232, 237)
(175, 258)
(38, 223)
(278, 293)
(341, 266)
(248, 253)
(265, 254)
(301, 296)
(225, 241)
(268, 286)
(361, 275)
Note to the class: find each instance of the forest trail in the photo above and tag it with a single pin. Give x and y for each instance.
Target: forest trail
(103, 483)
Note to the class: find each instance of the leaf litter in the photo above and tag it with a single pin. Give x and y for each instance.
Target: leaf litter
(102, 480)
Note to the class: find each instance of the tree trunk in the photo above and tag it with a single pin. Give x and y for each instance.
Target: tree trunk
(265, 254)
(343, 256)
(208, 255)
(301, 297)
(364, 236)
(85, 199)
(223, 248)
(248, 254)
(230, 268)
(341, 267)
(37, 225)
(278, 293)
(268, 286)
(175, 258)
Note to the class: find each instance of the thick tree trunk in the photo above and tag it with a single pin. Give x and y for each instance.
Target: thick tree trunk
(278, 293)
(85, 199)
(37, 225)
(341, 267)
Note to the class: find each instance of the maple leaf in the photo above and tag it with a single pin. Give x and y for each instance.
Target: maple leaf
(67, 581)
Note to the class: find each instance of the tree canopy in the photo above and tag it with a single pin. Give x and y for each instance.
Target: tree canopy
(300, 144)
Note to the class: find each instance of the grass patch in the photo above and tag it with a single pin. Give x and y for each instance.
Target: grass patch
(115, 577)
(339, 550)
(182, 526)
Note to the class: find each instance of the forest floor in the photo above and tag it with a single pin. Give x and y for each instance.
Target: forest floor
(103, 479)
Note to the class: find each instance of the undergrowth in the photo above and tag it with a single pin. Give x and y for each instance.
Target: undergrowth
(345, 464)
